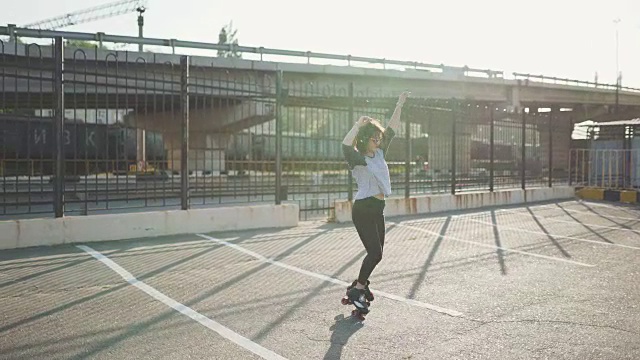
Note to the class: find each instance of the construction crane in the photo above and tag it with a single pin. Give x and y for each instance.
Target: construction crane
(91, 14)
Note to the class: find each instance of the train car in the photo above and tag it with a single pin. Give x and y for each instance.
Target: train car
(263, 147)
(482, 151)
(27, 146)
(30, 137)
(239, 146)
(123, 144)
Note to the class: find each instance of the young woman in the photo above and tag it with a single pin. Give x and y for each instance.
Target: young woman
(365, 148)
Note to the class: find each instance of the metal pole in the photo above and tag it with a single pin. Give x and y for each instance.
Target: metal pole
(617, 96)
(58, 196)
(570, 162)
(524, 150)
(617, 22)
(491, 150)
(184, 104)
(407, 160)
(454, 116)
(141, 134)
(278, 169)
(140, 11)
(351, 119)
(551, 148)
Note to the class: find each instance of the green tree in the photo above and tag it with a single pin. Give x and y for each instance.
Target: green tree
(227, 36)
(84, 44)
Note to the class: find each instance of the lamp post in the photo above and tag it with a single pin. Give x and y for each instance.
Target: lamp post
(141, 134)
(140, 11)
(617, 22)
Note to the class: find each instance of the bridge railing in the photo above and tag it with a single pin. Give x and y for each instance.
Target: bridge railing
(83, 135)
(571, 82)
(14, 32)
(349, 60)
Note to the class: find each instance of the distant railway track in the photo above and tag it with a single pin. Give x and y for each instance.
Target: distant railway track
(133, 193)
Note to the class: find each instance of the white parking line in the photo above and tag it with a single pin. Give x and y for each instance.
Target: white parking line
(330, 279)
(520, 212)
(615, 217)
(493, 246)
(574, 222)
(183, 309)
(501, 227)
(615, 207)
(555, 206)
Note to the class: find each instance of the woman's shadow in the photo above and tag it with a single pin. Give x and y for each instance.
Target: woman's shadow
(343, 328)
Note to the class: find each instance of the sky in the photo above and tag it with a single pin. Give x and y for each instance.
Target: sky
(563, 38)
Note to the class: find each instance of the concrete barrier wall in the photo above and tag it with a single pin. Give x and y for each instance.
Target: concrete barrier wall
(425, 204)
(81, 229)
(614, 195)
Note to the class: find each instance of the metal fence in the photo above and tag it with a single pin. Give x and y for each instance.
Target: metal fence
(606, 168)
(95, 131)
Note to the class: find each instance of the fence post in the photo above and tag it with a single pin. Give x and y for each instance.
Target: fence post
(524, 150)
(454, 116)
(569, 160)
(407, 160)
(58, 185)
(491, 148)
(551, 148)
(184, 104)
(351, 120)
(278, 164)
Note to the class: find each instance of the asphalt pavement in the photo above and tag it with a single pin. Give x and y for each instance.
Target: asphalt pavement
(548, 281)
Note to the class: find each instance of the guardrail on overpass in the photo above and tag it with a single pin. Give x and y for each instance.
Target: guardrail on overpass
(13, 31)
(573, 82)
(100, 37)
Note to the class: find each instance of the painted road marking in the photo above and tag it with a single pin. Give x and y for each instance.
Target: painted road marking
(558, 207)
(453, 238)
(523, 213)
(553, 235)
(183, 309)
(332, 280)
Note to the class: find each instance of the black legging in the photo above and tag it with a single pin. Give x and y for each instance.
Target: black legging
(367, 216)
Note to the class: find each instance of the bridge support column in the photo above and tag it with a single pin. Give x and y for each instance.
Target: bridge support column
(209, 132)
(557, 141)
(440, 144)
(206, 152)
(514, 99)
(464, 129)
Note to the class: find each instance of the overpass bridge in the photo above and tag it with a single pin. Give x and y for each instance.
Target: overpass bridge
(227, 95)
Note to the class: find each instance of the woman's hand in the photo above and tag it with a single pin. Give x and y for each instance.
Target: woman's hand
(363, 120)
(403, 97)
(351, 135)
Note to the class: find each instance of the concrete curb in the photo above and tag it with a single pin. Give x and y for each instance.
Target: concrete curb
(428, 204)
(83, 229)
